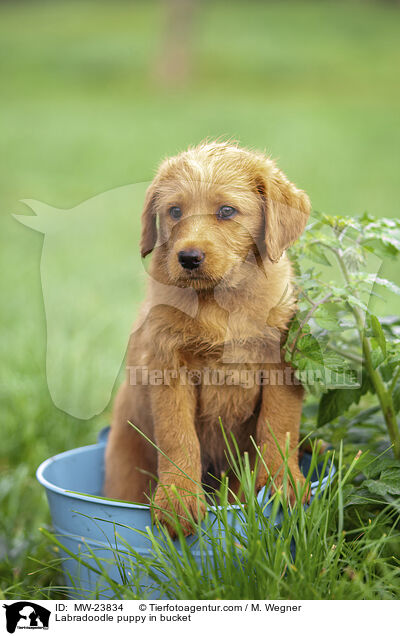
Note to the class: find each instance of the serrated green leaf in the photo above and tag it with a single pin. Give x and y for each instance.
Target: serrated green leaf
(326, 316)
(361, 496)
(391, 478)
(334, 361)
(377, 358)
(310, 352)
(381, 247)
(336, 402)
(316, 253)
(388, 284)
(379, 464)
(376, 487)
(376, 280)
(353, 300)
(388, 483)
(394, 360)
(293, 332)
(386, 372)
(317, 366)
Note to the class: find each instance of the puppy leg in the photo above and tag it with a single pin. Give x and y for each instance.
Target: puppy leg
(179, 490)
(131, 461)
(279, 416)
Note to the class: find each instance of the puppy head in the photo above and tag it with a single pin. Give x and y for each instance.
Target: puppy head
(212, 207)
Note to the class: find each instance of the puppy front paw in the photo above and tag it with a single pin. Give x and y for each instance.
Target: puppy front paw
(179, 505)
(288, 489)
(262, 479)
(291, 489)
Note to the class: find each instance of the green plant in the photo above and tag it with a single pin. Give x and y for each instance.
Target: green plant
(339, 348)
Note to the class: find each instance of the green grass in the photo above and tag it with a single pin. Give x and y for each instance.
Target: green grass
(313, 83)
(259, 550)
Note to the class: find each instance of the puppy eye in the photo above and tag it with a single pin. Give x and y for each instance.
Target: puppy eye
(175, 212)
(226, 212)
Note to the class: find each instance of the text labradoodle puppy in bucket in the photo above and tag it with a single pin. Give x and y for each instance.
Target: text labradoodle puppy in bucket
(219, 219)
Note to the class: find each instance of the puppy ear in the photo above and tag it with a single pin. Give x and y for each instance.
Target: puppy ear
(286, 210)
(149, 222)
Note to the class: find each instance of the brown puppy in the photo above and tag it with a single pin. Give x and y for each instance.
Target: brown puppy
(219, 219)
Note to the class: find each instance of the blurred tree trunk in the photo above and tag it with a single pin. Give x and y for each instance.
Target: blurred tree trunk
(174, 62)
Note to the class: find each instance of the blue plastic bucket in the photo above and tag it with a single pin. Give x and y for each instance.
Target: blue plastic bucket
(86, 523)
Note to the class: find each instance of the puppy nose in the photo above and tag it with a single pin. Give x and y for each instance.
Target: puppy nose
(191, 259)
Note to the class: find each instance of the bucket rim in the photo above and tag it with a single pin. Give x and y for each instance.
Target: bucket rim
(116, 503)
(81, 496)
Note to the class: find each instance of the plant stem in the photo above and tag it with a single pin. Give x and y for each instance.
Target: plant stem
(307, 318)
(384, 396)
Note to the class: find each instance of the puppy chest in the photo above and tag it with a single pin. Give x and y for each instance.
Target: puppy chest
(227, 394)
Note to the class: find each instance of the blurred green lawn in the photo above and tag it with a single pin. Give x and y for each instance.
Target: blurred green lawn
(314, 83)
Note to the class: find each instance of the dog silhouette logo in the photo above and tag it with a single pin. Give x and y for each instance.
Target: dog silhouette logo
(26, 615)
(88, 269)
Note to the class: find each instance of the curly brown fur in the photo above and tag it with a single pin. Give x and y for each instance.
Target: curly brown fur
(230, 312)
